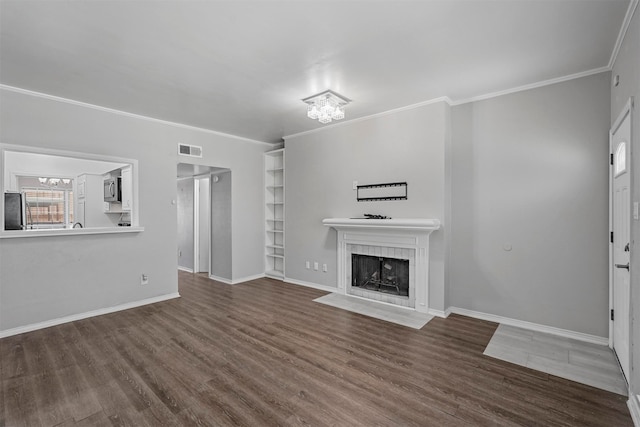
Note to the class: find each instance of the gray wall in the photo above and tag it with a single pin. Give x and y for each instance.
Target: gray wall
(185, 223)
(627, 66)
(221, 218)
(530, 171)
(320, 170)
(48, 278)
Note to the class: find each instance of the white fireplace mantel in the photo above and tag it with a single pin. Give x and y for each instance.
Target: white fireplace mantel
(407, 224)
(385, 236)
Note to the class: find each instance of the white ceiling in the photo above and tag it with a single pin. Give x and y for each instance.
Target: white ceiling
(242, 67)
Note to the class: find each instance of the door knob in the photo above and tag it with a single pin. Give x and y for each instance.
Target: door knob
(623, 266)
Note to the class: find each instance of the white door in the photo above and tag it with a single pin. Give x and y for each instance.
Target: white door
(621, 198)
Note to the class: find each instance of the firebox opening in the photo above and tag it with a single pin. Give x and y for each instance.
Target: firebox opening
(380, 274)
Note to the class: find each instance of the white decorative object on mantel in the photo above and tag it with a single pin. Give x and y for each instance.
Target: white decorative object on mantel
(403, 238)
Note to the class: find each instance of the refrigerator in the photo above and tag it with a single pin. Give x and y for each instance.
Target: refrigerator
(14, 211)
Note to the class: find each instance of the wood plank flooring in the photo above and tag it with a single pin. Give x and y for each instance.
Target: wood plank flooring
(263, 353)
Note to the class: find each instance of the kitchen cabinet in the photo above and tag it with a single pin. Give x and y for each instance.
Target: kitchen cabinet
(127, 189)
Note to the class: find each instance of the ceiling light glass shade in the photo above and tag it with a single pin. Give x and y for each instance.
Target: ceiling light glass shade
(66, 181)
(42, 180)
(326, 106)
(312, 112)
(54, 181)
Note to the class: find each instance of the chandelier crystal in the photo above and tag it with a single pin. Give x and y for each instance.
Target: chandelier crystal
(326, 106)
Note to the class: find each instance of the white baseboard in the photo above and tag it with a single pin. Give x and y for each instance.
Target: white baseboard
(85, 315)
(236, 281)
(634, 408)
(188, 270)
(439, 313)
(310, 285)
(594, 339)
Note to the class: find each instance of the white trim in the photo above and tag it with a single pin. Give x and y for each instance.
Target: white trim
(372, 116)
(85, 315)
(236, 281)
(220, 279)
(594, 339)
(532, 86)
(623, 32)
(247, 278)
(325, 288)
(439, 313)
(185, 269)
(196, 225)
(634, 408)
(127, 114)
(59, 232)
(610, 245)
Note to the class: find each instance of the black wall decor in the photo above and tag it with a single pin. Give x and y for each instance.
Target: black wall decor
(386, 191)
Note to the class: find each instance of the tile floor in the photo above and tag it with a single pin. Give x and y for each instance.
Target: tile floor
(389, 313)
(586, 363)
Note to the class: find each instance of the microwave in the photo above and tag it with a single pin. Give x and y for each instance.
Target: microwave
(113, 190)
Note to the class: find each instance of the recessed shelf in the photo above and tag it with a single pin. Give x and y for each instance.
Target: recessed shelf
(274, 196)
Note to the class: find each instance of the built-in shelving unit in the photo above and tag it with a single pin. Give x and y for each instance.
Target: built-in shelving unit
(274, 213)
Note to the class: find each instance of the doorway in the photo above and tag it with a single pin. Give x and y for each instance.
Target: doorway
(620, 205)
(204, 220)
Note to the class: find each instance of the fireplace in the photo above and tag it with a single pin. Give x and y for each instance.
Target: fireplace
(380, 274)
(385, 260)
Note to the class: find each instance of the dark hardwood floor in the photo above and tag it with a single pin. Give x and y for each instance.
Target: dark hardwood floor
(263, 353)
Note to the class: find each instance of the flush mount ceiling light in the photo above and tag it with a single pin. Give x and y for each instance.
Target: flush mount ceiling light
(326, 106)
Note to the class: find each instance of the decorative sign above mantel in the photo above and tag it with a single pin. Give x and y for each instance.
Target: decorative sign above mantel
(386, 191)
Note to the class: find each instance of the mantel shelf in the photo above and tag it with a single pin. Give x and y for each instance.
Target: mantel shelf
(396, 224)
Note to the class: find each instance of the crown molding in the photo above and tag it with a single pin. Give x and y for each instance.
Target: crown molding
(454, 103)
(126, 114)
(444, 99)
(532, 85)
(623, 32)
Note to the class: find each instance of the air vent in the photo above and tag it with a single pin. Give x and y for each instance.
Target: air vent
(189, 150)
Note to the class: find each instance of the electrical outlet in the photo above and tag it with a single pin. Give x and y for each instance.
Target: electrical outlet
(307, 265)
(315, 266)
(324, 268)
(144, 279)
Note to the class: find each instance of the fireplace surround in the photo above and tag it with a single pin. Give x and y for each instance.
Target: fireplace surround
(405, 239)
